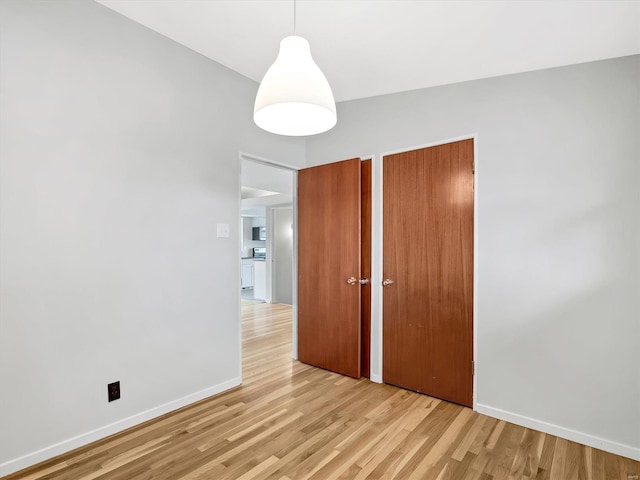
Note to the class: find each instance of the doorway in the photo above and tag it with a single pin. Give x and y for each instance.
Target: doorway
(266, 257)
(267, 242)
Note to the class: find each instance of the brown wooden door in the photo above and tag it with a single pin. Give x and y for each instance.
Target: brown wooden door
(428, 254)
(328, 255)
(365, 272)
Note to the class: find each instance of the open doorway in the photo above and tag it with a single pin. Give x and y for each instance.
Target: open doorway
(267, 225)
(268, 265)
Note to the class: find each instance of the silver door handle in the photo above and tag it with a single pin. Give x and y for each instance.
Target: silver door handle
(364, 281)
(387, 282)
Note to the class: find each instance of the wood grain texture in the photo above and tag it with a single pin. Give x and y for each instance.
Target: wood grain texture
(365, 268)
(428, 253)
(328, 254)
(292, 421)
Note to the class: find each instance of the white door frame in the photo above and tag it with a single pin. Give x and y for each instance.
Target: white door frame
(294, 322)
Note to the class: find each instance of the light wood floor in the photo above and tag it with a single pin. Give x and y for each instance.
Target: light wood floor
(293, 421)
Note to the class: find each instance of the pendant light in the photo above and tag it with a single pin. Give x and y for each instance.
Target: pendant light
(294, 97)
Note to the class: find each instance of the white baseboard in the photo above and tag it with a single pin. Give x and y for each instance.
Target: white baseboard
(64, 446)
(567, 433)
(376, 377)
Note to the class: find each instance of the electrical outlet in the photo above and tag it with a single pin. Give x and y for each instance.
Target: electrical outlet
(114, 391)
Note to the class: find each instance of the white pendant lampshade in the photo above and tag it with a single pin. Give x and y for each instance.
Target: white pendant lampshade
(294, 97)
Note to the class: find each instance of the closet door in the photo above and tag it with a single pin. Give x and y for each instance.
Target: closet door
(428, 271)
(329, 266)
(365, 268)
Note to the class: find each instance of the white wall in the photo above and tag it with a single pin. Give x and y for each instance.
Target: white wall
(283, 255)
(119, 154)
(558, 235)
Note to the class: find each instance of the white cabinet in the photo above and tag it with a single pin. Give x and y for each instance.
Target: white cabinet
(246, 276)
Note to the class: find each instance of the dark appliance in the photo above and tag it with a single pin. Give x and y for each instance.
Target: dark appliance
(259, 233)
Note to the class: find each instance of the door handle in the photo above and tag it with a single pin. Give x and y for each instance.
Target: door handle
(352, 280)
(387, 282)
(364, 281)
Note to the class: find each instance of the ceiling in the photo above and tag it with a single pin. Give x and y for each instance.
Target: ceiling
(264, 185)
(374, 47)
(249, 192)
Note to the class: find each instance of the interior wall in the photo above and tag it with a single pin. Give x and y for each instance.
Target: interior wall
(558, 235)
(283, 255)
(119, 155)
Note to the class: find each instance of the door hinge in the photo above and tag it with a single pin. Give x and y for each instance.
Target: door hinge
(473, 368)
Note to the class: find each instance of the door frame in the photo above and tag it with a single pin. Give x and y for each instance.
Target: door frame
(294, 314)
(294, 319)
(376, 252)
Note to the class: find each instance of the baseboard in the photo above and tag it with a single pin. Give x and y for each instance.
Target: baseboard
(375, 377)
(567, 433)
(65, 446)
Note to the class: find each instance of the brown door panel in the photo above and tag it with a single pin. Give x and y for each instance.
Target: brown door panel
(329, 215)
(366, 268)
(428, 253)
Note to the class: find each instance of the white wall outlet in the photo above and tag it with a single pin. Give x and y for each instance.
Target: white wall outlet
(223, 230)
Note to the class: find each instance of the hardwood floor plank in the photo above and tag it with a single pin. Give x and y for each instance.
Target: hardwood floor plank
(291, 421)
(445, 441)
(559, 459)
(259, 469)
(465, 444)
(395, 473)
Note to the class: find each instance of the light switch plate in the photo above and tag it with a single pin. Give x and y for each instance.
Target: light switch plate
(223, 230)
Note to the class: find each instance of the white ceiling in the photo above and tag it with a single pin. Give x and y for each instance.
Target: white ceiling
(373, 47)
(249, 192)
(264, 177)
(279, 199)
(257, 177)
